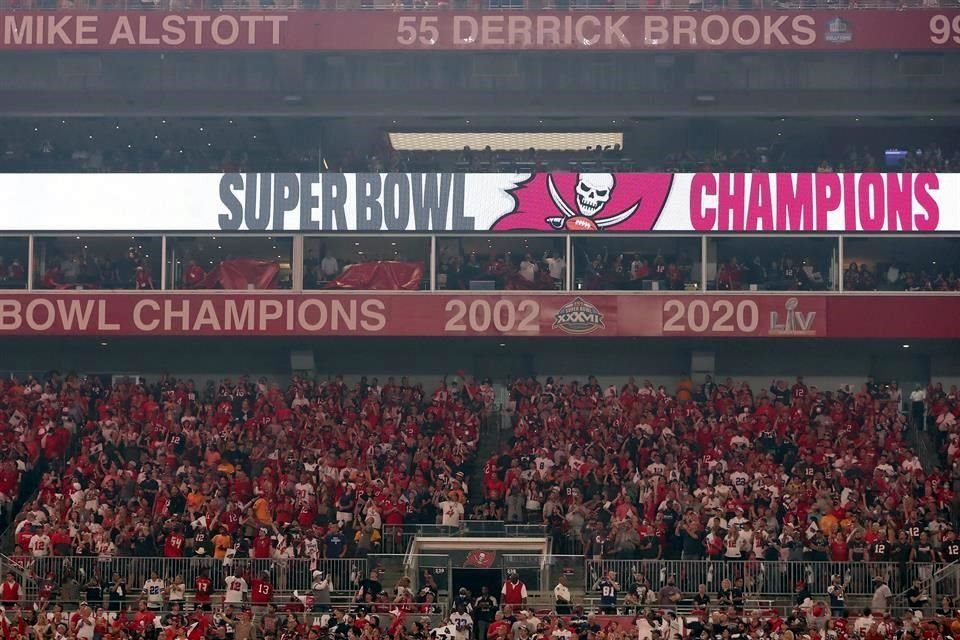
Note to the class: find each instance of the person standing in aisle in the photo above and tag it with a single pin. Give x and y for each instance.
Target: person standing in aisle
(609, 588)
(485, 610)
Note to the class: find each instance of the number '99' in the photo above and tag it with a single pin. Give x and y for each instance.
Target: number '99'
(943, 30)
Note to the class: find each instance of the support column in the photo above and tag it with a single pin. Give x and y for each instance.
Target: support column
(433, 263)
(30, 262)
(296, 264)
(704, 247)
(840, 264)
(163, 262)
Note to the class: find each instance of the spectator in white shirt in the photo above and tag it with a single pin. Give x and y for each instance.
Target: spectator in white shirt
(911, 463)
(451, 512)
(84, 625)
(329, 267)
(235, 588)
(893, 273)
(40, 544)
(462, 623)
(153, 589)
(528, 268)
(561, 597)
(918, 399)
(880, 603)
(556, 266)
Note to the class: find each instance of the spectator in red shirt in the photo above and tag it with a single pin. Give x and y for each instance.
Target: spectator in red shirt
(173, 545)
(203, 591)
(261, 591)
(53, 277)
(193, 275)
(10, 593)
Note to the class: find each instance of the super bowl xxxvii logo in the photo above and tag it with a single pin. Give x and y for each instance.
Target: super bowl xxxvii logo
(578, 317)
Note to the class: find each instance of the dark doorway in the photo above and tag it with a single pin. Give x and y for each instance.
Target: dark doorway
(475, 579)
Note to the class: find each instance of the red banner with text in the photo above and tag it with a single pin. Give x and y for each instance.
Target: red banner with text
(464, 315)
(842, 30)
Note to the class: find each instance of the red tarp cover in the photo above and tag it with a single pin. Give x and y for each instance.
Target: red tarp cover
(242, 274)
(379, 276)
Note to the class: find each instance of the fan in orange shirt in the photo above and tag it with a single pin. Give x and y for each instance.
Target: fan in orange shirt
(195, 499)
(261, 510)
(221, 543)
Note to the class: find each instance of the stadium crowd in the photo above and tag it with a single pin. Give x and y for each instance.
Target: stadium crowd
(785, 274)
(243, 475)
(724, 472)
(615, 158)
(192, 154)
(523, 271)
(636, 271)
(894, 276)
(90, 270)
(245, 469)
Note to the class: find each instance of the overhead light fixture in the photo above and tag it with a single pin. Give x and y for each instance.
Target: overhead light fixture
(503, 140)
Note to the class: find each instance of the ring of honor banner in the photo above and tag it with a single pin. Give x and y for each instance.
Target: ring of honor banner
(555, 315)
(467, 203)
(841, 30)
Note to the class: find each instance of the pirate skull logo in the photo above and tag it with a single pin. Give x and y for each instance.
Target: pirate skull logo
(593, 192)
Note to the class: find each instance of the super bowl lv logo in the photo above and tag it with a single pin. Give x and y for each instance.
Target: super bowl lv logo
(588, 202)
(795, 322)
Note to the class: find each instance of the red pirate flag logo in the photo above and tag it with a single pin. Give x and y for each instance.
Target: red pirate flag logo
(480, 559)
(588, 202)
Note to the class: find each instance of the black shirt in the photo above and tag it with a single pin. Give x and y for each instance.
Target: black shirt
(858, 550)
(95, 594)
(951, 550)
(880, 551)
(486, 608)
(372, 587)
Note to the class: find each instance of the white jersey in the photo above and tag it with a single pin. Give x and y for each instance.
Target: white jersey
(452, 512)
(462, 624)
(446, 632)
(178, 592)
(39, 545)
(543, 465)
(303, 490)
(153, 589)
(236, 587)
(85, 628)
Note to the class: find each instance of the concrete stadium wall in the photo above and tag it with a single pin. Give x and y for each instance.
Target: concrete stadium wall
(828, 365)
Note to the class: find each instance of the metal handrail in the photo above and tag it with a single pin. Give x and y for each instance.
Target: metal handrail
(769, 582)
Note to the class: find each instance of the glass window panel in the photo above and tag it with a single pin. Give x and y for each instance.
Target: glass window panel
(229, 262)
(621, 264)
(901, 264)
(97, 262)
(13, 262)
(772, 263)
(481, 263)
(325, 258)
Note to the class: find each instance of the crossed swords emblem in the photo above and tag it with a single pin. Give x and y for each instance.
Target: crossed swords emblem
(559, 222)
